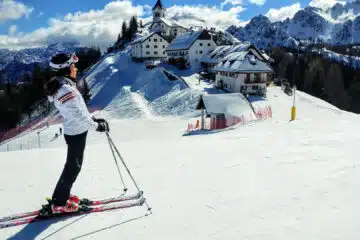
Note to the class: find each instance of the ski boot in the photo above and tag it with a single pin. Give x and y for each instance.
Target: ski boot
(70, 206)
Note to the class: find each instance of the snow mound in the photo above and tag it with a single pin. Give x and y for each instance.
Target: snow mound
(126, 89)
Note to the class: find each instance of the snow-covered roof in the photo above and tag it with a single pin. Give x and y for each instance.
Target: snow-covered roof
(171, 23)
(220, 52)
(142, 39)
(242, 62)
(227, 103)
(184, 41)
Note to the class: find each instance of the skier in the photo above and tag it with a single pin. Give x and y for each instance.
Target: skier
(62, 91)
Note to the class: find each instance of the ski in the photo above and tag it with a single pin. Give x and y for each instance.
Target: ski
(83, 202)
(83, 210)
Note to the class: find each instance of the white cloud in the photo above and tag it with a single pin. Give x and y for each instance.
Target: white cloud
(205, 15)
(258, 2)
(12, 30)
(101, 27)
(231, 2)
(324, 3)
(93, 27)
(40, 14)
(12, 10)
(283, 13)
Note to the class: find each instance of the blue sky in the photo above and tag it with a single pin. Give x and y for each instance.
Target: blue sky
(45, 9)
(35, 21)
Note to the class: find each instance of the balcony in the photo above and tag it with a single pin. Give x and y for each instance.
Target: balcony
(256, 81)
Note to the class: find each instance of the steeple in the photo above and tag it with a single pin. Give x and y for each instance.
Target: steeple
(158, 11)
(158, 4)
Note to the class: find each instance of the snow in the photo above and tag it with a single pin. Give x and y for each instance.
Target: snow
(184, 41)
(229, 104)
(273, 179)
(240, 62)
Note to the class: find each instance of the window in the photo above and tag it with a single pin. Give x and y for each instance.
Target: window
(247, 78)
(257, 77)
(147, 46)
(147, 53)
(157, 15)
(200, 52)
(149, 39)
(160, 39)
(200, 44)
(163, 46)
(155, 53)
(155, 39)
(209, 44)
(155, 46)
(164, 53)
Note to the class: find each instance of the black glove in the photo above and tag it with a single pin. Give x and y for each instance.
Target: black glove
(98, 120)
(103, 127)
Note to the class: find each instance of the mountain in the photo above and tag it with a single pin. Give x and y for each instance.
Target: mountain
(16, 63)
(339, 24)
(276, 179)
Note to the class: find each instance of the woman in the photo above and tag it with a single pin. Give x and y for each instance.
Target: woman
(62, 91)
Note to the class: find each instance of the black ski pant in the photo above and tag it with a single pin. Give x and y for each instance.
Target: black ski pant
(74, 159)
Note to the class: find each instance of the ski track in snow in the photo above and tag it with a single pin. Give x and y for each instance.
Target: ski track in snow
(273, 179)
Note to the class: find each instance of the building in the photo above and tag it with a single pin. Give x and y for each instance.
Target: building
(210, 60)
(225, 110)
(151, 46)
(162, 25)
(189, 47)
(245, 72)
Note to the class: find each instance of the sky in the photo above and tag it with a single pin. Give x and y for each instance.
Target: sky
(31, 23)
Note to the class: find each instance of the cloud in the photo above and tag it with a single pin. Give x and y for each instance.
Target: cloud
(12, 10)
(258, 2)
(97, 27)
(12, 30)
(101, 27)
(283, 13)
(324, 3)
(40, 14)
(230, 2)
(205, 15)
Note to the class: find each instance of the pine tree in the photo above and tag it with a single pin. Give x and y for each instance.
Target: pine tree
(133, 26)
(124, 31)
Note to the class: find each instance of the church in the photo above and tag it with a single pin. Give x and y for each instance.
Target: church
(162, 32)
(162, 25)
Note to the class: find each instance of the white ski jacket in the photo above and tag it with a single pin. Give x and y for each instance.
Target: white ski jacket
(72, 108)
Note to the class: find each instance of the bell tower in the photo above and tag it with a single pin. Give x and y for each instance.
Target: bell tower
(158, 11)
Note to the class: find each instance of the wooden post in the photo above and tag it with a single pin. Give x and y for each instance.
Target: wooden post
(202, 119)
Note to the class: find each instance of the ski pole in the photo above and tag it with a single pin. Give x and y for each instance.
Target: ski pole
(127, 169)
(117, 165)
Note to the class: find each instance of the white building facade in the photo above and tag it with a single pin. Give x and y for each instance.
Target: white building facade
(152, 46)
(242, 72)
(191, 46)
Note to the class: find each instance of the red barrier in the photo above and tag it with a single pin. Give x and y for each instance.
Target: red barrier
(261, 114)
(30, 126)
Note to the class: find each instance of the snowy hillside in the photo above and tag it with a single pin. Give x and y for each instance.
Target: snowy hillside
(118, 84)
(270, 180)
(339, 24)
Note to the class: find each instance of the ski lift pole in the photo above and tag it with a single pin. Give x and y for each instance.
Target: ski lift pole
(127, 169)
(293, 109)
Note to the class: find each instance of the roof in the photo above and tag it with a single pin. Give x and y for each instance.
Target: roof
(228, 103)
(184, 41)
(158, 4)
(170, 23)
(243, 61)
(219, 52)
(142, 39)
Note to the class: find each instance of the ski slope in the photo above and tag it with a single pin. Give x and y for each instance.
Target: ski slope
(270, 180)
